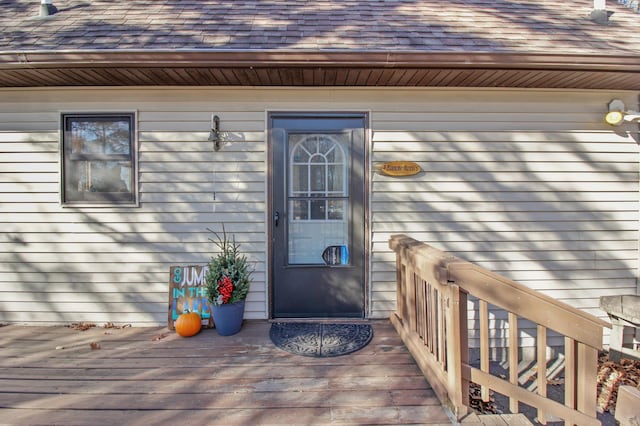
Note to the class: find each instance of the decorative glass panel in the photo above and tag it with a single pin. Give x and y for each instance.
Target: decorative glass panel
(318, 195)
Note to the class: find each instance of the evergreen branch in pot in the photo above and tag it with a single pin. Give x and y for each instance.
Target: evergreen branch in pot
(228, 278)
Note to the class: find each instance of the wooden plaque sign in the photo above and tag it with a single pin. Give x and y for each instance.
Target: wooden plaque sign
(398, 168)
(188, 291)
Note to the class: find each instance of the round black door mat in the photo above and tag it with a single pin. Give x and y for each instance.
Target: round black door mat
(320, 340)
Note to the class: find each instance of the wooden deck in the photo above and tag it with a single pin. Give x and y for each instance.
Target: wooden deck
(51, 375)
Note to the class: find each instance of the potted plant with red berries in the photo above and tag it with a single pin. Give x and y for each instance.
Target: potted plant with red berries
(227, 284)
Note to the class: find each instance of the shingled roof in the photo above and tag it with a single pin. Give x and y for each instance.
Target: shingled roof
(482, 43)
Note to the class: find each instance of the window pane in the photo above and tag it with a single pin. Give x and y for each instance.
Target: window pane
(335, 179)
(300, 209)
(310, 144)
(299, 180)
(318, 210)
(100, 136)
(319, 159)
(86, 180)
(336, 209)
(300, 155)
(317, 178)
(334, 155)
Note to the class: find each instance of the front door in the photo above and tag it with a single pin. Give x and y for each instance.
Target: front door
(317, 212)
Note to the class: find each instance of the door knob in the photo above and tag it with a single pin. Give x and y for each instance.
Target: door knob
(276, 218)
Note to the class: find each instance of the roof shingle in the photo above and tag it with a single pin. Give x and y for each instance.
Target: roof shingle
(461, 43)
(516, 26)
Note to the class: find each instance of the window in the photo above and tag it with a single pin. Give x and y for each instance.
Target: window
(98, 159)
(318, 185)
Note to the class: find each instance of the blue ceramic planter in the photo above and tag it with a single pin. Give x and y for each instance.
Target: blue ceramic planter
(228, 317)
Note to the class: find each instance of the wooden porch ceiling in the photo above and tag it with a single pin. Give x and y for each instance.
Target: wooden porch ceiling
(277, 68)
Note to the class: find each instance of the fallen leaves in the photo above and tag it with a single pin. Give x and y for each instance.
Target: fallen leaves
(552, 382)
(480, 406)
(112, 325)
(84, 326)
(611, 375)
(81, 326)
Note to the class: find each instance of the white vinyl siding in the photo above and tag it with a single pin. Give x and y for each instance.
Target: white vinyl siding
(540, 191)
(530, 184)
(67, 264)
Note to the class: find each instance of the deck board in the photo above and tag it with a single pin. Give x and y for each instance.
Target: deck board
(135, 378)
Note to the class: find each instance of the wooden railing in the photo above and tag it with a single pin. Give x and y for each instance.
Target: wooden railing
(433, 289)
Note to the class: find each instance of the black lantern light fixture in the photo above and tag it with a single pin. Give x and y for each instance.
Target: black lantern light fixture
(214, 135)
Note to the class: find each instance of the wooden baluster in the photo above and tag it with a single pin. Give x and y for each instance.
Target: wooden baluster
(570, 372)
(433, 322)
(401, 289)
(420, 307)
(484, 345)
(513, 358)
(542, 369)
(411, 297)
(441, 314)
(587, 372)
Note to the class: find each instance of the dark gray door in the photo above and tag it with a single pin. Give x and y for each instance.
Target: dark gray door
(317, 210)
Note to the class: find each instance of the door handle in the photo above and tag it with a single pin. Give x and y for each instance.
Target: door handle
(276, 218)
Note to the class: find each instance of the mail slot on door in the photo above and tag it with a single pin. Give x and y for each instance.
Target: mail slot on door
(336, 255)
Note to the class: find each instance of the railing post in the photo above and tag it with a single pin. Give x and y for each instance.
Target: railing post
(457, 349)
(400, 287)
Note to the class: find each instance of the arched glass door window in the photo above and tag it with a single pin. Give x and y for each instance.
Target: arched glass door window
(318, 195)
(318, 181)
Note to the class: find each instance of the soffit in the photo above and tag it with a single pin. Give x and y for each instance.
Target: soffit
(117, 68)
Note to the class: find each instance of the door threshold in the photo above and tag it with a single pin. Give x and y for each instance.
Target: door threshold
(323, 320)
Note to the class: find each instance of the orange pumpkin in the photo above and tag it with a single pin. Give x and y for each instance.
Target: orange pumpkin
(188, 324)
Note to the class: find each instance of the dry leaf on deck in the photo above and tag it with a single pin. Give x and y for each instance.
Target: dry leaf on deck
(81, 326)
(159, 337)
(112, 325)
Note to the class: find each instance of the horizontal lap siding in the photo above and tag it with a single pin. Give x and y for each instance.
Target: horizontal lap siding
(60, 264)
(529, 184)
(536, 188)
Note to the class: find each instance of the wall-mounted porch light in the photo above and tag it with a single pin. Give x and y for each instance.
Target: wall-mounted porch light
(214, 135)
(617, 114)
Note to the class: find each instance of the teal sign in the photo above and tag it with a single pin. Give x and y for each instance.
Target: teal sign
(188, 292)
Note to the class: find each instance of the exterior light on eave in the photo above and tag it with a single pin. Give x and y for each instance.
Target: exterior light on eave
(617, 114)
